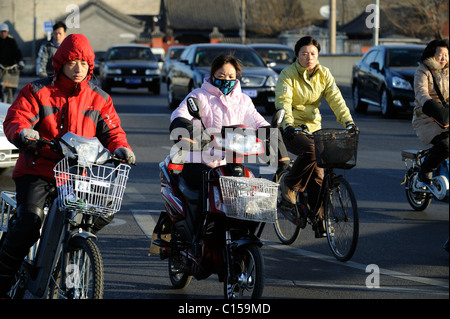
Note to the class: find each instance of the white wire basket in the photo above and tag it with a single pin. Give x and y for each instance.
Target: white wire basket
(252, 199)
(91, 189)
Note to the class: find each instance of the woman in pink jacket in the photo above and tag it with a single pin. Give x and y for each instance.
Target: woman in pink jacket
(223, 104)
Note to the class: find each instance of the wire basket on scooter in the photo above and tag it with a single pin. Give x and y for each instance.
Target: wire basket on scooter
(336, 148)
(91, 189)
(252, 199)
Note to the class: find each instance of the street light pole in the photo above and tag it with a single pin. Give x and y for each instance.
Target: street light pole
(243, 12)
(332, 26)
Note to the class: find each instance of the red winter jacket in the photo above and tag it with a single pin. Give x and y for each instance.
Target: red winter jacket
(54, 107)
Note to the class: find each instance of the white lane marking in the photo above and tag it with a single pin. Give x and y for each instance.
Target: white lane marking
(146, 219)
(355, 265)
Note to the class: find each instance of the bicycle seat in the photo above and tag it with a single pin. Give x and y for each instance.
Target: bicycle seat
(410, 153)
(413, 154)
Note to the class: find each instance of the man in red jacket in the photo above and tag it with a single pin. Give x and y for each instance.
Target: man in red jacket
(48, 108)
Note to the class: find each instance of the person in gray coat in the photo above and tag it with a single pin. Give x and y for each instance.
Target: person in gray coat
(44, 65)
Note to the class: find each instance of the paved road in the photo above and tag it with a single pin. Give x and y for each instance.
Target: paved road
(403, 246)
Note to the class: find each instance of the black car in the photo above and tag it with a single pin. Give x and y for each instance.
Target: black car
(384, 77)
(99, 58)
(194, 64)
(130, 66)
(277, 56)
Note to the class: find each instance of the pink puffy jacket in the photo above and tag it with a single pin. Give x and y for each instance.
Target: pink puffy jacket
(220, 110)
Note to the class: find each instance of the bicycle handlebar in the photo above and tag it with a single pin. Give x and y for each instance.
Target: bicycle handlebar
(54, 146)
(11, 67)
(304, 130)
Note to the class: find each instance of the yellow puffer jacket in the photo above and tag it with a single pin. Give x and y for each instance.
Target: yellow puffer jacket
(300, 95)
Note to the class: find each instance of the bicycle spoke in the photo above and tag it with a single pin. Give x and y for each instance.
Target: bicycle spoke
(342, 220)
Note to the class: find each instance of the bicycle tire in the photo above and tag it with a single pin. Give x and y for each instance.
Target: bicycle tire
(248, 264)
(342, 221)
(83, 276)
(286, 231)
(419, 201)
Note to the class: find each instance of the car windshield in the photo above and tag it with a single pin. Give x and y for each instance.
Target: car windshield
(131, 53)
(280, 56)
(249, 58)
(403, 57)
(175, 53)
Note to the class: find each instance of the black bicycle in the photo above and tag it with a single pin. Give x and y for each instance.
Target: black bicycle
(339, 221)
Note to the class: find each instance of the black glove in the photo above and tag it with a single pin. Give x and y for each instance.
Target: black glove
(437, 111)
(289, 132)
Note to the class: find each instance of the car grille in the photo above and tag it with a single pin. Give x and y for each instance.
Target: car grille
(252, 81)
(133, 71)
(9, 156)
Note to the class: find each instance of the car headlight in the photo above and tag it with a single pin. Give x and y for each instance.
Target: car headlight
(113, 71)
(272, 80)
(399, 83)
(152, 72)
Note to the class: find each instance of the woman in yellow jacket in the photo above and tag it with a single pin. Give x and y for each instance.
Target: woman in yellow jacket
(300, 89)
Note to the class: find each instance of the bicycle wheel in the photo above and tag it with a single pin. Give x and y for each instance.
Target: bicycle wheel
(248, 266)
(82, 277)
(286, 228)
(341, 216)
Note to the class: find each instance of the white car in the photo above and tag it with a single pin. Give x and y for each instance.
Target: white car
(8, 152)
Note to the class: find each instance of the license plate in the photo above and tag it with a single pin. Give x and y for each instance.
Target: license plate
(133, 81)
(251, 93)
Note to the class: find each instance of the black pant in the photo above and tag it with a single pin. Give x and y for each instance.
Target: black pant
(438, 153)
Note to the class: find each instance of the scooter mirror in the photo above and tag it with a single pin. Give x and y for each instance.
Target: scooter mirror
(277, 118)
(194, 107)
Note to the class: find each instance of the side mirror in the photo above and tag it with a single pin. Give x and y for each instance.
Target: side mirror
(194, 107)
(375, 65)
(277, 118)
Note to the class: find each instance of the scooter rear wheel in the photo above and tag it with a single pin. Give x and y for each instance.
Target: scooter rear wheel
(419, 201)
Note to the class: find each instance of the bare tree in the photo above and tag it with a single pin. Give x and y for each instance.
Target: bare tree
(418, 18)
(273, 16)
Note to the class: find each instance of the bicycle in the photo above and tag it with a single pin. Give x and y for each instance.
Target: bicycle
(340, 222)
(9, 81)
(65, 262)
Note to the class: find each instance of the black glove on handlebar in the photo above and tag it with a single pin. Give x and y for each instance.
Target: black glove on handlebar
(289, 132)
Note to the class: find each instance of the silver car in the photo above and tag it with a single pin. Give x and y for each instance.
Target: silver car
(8, 152)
